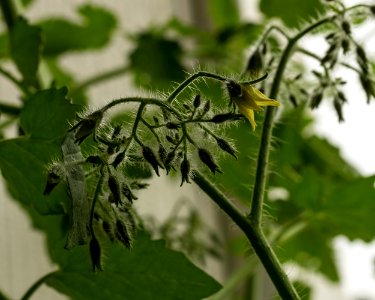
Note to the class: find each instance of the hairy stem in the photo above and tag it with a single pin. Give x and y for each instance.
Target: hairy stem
(200, 74)
(265, 142)
(255, 236)
(36, 285)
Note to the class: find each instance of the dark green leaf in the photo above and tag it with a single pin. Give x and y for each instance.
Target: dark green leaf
(149, 271)
(47, 113)
(292, 12)
(156, 61)
(224, 13)
(349, 209)
(23, 166)
(25, 49)
(94, 31)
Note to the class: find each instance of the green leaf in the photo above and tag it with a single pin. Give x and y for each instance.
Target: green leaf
(94, 31)
(23, 160)
(25, 49)
(23, 166)
(292, 12)
(224, 13)
(148, 271)
(349, 209)
(156, 61)
(46, 114)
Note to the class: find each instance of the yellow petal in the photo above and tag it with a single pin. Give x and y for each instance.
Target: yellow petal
(249, 114)
(252, 94)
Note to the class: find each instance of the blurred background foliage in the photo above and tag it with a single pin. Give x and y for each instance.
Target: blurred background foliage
(314, 195)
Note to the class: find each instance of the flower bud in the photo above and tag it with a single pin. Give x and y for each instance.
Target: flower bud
(95, 253)
(207, 159)
(168, 161)
(116, 132)
(87, 126)
(338, 108)
(56, 174)
(95, 160)
(171, 125)
(108, 229)
(185, 170)
(197, 101)
(220, 118)
(122, 234)
(206, 108)
(316, 99)
(225, 146)
(345, 25)
(118, 159)
(293, 100)
(115, 189)
(255, 64)
(362, 59)
(126, 191)
(136, 185)
(150, 157)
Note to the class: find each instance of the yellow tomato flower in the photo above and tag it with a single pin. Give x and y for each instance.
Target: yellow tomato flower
(248, 99)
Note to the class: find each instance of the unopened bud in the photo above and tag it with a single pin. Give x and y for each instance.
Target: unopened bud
(197, 101)
(338, 108)
(225, 146)
(95, 253)
(171, 125)
(220, 118)
(115, 189)
(185, 170)
(346, 27)
(125, 189)
(122, 234)
(56, 174)
(207, 159)
(150, 157)
(108, 229)
(87, 126)
(316, 99)
(255, 64)
(118, 159)
(95, 160)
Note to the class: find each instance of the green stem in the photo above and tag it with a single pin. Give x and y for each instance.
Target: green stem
(99, 78)
(199, 74)
(8, 12)
(36, 285)
(9, 109)
(95, 199)
(189, 80)
(145, 101)
(265, 142)
(255, 236)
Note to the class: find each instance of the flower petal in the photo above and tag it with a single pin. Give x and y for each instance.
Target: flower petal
(249, 114)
